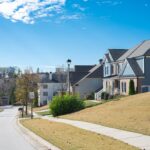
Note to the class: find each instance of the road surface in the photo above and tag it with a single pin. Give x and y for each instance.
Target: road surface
(11, 136)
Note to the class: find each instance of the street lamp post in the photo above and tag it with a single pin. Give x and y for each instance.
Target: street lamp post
(69, 62)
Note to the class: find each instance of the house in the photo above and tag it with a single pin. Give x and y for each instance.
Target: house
(48, 87)
(122, 65)
(7, 85)
(86, 79)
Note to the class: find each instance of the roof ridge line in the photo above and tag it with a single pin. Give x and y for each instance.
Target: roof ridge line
(137, 47)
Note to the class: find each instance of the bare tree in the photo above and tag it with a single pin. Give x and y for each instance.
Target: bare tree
(26, 83)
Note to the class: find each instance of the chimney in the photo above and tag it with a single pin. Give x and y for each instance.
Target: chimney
(101, 61)
(50, 76)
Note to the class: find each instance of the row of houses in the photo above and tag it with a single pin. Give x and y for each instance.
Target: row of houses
(112, 75)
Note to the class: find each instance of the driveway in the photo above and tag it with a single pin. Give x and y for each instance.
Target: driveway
(11, 136)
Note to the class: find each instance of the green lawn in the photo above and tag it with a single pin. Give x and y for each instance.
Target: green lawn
(44, 113)
(90, 103)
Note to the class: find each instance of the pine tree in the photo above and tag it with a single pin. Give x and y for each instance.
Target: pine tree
(131, 88)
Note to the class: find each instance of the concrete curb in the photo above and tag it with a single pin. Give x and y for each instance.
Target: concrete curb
(37, 138)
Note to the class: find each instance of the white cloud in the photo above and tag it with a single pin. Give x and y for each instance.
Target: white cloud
(109, 2)
(29, 10)
(71, 17)
(78, 7)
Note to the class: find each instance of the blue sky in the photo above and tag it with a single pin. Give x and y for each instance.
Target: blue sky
(45, 33)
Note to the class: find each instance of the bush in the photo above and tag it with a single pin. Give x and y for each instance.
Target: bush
(106, 96)
(35, 102)
(102, 95)
(90, 97)
(110, 97)
(61, 105)
(131, 88)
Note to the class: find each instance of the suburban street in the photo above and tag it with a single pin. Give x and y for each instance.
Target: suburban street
(11, 137)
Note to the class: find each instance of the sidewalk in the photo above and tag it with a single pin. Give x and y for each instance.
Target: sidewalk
(135, 139)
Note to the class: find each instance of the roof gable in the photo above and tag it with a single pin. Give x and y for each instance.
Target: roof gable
(131, 68)
(116, 53)
(95, 72)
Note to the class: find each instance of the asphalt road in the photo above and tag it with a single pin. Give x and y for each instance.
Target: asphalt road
(11, 137)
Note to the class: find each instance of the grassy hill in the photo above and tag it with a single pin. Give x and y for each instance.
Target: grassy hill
(130, 113)
(67, 137)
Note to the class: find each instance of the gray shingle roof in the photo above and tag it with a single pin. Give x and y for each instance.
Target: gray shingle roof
(76, 76)
(137, 51)
(95, 72)
(46, 80)
(117, 53)
(79, 73)
(83, 68)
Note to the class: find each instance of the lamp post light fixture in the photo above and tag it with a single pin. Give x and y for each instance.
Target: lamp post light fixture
(69, 62)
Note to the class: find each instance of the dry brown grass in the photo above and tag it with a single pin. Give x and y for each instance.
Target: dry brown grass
(130, 113)
(41, 108)
(71, 138)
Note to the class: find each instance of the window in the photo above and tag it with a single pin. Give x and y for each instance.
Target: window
(122, 86)
(112, 69)
(125, 89)
(107, 70)
(118, 68)
(45, 86)
(45, 93)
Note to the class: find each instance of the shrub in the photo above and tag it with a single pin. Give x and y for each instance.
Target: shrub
(61, 105)
(110, 97)
(102, 95)
(90, 97)
(106, 96)
(35, 102)
(131, 88)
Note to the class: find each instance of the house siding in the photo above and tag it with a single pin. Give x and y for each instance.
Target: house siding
(87, 86)
(146, 80)
(127, 82)
(140, 62)
(51, 89)
(128, 71)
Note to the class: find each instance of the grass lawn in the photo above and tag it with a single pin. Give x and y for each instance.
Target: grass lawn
(71, 138)
(41, 108)
(129, 113)
(90, 103)
(44, 113)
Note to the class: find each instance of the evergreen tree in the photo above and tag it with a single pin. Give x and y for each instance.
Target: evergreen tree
(131, 88)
